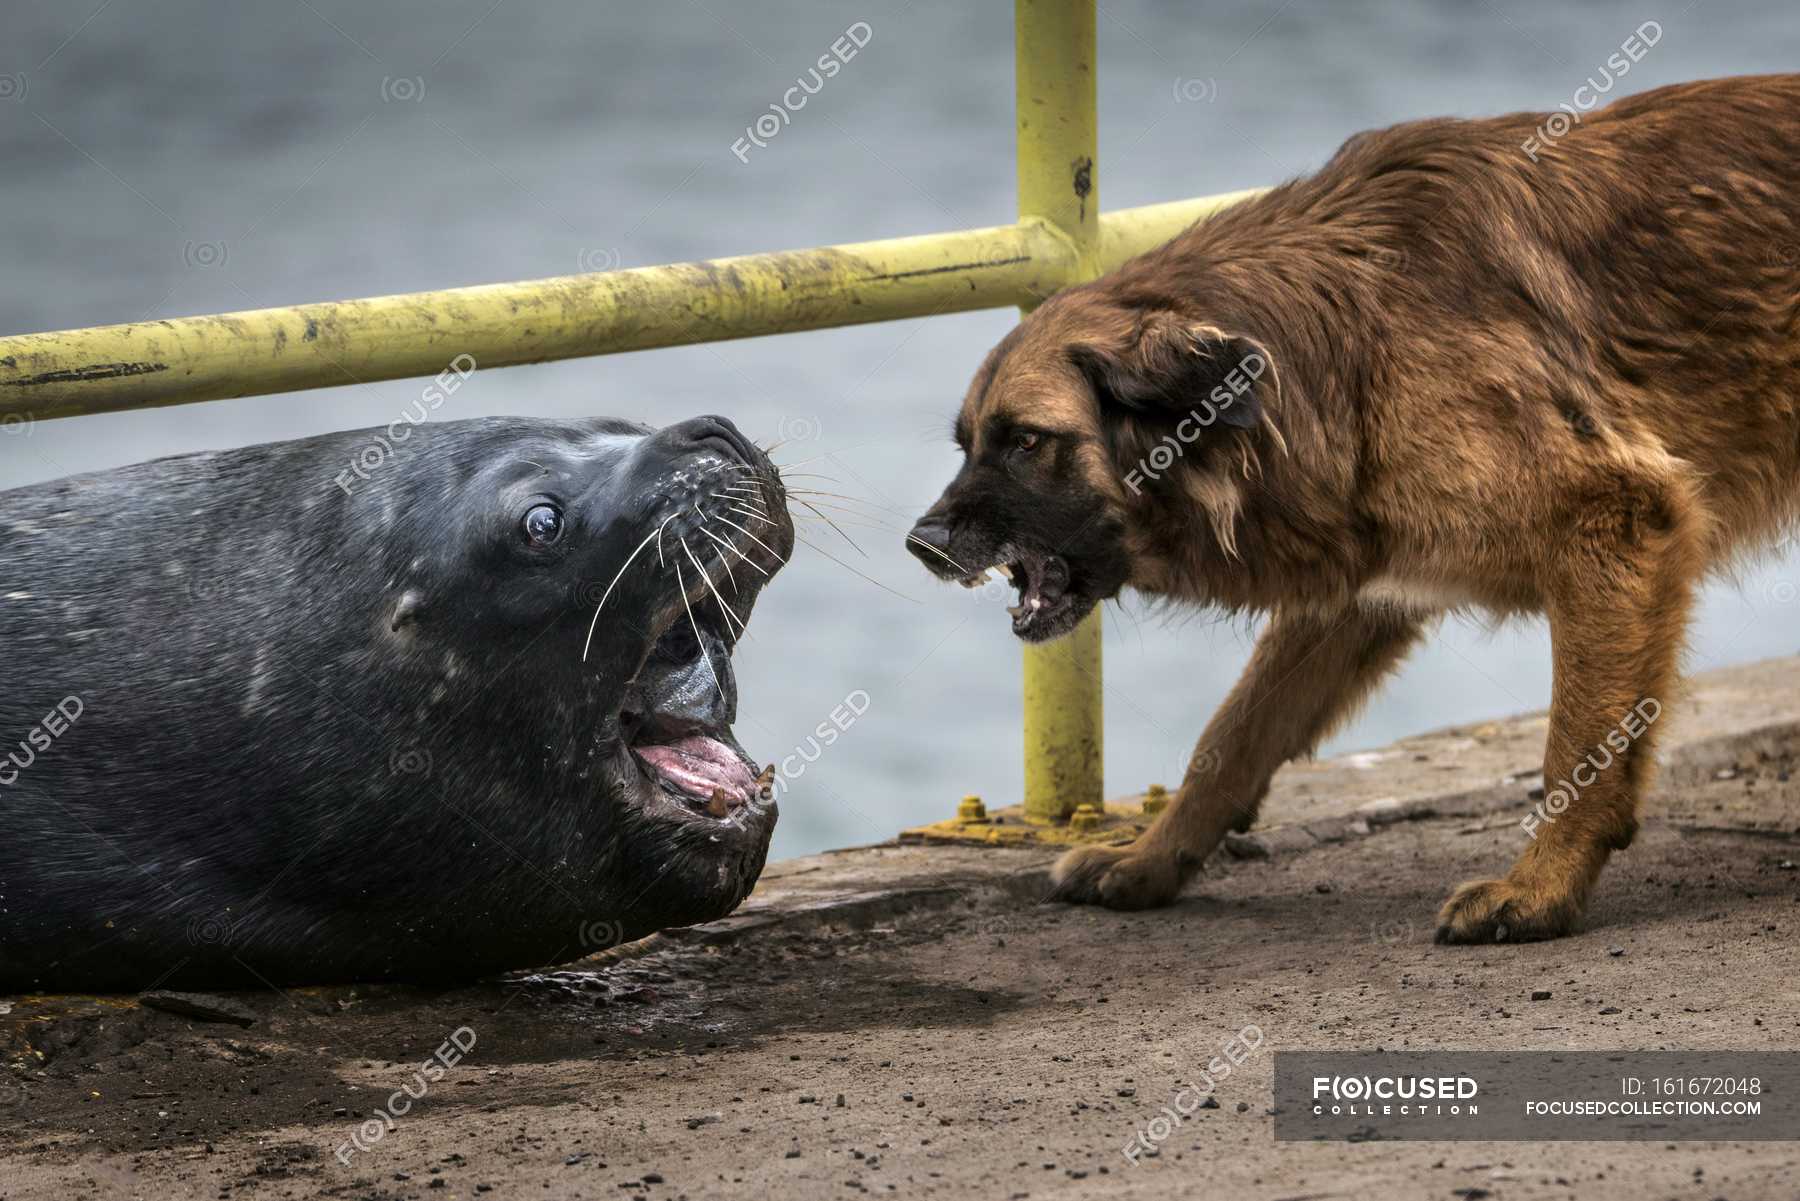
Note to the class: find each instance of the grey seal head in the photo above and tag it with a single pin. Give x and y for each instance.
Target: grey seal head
(463, 709)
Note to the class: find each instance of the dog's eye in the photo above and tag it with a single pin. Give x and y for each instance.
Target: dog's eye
(1026, 441)
(543, 525)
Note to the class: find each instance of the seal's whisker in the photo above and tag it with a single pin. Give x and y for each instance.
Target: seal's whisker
(826, 454)
(851, 568)
(853, 524)
(834, 525)
(865, 521)
(732, 547)
(615, 581)
(746, 533)
(726, 564)
(762, 517)
(659, 548)
(859, 500)
(832, 500)
(698, 640)
(809, 475)
(707, 576)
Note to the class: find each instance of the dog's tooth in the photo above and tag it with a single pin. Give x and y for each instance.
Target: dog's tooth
(1015, 610)
(1036, 602)
(1004, 569)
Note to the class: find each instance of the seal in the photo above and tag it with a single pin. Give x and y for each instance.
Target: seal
(462, 710)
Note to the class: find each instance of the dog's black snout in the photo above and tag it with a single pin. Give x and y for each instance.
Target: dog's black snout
(930, 541)
(711, 433)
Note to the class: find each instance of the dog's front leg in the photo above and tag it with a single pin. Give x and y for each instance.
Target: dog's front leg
(1308, 673)
(1618, 609)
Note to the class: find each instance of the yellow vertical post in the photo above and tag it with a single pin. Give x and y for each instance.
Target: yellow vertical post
(1053, 55)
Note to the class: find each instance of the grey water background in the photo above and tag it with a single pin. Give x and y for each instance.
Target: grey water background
(189, 156)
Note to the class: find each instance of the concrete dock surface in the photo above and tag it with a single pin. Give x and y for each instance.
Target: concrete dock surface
(912, 1021)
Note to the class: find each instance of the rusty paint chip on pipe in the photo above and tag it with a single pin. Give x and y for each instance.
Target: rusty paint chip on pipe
(74, 375)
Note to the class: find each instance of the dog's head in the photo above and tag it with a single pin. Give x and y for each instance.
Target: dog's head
(1079, 423)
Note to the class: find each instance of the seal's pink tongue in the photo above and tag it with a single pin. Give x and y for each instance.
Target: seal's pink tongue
(698, 765)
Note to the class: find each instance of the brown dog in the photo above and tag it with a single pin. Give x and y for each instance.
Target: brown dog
(1465, 365)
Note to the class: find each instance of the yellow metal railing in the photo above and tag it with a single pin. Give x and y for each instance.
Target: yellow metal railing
(1060, 238)
(1053, 67)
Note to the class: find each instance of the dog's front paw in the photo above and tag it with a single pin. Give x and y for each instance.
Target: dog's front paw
(1116, 877)
(1505, 911)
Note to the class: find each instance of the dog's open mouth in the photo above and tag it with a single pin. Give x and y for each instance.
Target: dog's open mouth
(1043, 584)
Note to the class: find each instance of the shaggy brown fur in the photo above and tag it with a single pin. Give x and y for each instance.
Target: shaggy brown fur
(1567, 386)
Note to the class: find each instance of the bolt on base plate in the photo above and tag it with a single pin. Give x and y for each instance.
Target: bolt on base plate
(1118, 821)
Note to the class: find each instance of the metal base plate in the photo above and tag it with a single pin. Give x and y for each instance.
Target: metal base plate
(1122, 821)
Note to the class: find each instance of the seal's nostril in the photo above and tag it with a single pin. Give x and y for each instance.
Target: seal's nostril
(712, 433)
(678, 646)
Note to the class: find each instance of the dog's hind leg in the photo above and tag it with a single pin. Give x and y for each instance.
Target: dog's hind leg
(1618, 605)
(1309, 672)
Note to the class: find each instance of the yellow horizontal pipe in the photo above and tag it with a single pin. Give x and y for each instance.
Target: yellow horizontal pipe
(180, 360)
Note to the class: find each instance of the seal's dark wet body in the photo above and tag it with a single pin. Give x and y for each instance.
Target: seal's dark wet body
(328, 727)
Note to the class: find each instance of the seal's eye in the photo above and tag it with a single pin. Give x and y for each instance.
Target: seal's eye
(543, 525)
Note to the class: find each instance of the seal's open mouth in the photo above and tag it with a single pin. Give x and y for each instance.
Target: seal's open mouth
(702, 766)
(676, 718)
(682, 741)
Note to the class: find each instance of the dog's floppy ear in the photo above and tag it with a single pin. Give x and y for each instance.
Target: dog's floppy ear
(1171, 365)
